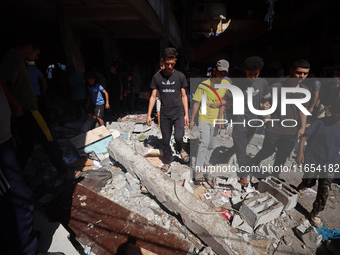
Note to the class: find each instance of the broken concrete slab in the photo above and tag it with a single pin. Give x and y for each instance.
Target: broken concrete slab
(236, 199)
(133, 185)
(240, 224)
(214, 231)
(268, 231)
(119, 181)
(141, 127)
(180, 172)
(281, 191)
(309, 236)
(262, 245)
(261, 209)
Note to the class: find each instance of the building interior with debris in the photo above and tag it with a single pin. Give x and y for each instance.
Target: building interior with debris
(123, 203)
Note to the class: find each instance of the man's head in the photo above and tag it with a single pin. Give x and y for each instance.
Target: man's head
(221, 69)
(335, 110)
(27, 47)
(299, 70)
(113, 68)
(336, 76)
(90, 78)
(161, 65)
(169, 59)
(252, 67)
(129, 76)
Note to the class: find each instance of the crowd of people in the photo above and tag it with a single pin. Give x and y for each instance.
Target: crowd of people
(23, 109)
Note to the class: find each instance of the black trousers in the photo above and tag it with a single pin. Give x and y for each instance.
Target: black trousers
(166, 129)
(241, 137)
(32, 129)
(16, 213)
(283, 143)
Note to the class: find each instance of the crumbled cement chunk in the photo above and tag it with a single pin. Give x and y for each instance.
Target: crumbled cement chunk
(119, 181)
(237, 221)
(207, 251)
(234, 182)
(311, 238)
(180, 172)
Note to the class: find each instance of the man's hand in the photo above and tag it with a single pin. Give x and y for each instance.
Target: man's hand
(300, 158)
(186, 120)
(148, 120)
(265, 105)
(191, 124)
(300, 133)
(107, 106)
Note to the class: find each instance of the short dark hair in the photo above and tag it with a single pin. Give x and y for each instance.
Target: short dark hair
(90, 75)
(302, 63)
(253, 63)
(170, 53)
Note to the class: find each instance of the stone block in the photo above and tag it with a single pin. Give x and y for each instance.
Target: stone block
(309, 236)
(281, 191)
(119, 182)
(261, 209)
(180, 172)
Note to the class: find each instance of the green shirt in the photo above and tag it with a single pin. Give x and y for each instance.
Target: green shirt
(14, 70)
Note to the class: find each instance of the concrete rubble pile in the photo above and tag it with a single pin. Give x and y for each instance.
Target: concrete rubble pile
(227, 218)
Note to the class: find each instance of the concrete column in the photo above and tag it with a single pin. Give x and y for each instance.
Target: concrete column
(71, 40)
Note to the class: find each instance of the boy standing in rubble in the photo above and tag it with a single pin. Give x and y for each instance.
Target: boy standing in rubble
(321, 157)
(174, 105)
(96, 109)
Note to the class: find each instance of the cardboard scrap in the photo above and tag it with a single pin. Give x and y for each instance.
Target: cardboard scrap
(90, 137)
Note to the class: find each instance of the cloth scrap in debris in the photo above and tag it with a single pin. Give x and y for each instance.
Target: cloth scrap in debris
(328, 234)
(142, 137)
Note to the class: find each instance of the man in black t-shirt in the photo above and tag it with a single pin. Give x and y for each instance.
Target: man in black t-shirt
(174, 105)
(260, 98)
(279, 136)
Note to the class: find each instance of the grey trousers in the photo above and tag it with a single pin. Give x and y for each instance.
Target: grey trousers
(207, 142)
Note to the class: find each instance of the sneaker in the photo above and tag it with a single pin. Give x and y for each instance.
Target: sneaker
(315, 220)
(302, 189)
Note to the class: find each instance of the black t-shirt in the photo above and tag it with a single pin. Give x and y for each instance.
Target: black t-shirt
(328, 93)
(169, 88)
(292, 112)
(261, 93)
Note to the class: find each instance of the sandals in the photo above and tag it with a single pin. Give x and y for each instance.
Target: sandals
(199, 177)
(185, 156)
(165, 168)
